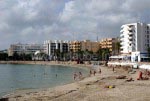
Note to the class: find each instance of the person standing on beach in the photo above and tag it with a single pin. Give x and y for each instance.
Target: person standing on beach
(80, 75)
(94, 72)
(90, 72)
(100, 71)
(113, 69)
(75, 76)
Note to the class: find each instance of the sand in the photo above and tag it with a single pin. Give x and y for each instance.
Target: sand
(93, 88)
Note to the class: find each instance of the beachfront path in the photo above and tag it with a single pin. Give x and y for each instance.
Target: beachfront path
(102, 87)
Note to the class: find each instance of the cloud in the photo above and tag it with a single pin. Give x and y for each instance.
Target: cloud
(30, 21)
(68, 11)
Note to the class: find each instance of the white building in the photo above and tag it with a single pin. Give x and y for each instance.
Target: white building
(25, 48)
(52, 47)
(135, 37)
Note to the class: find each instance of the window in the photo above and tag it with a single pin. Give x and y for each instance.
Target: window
(147, 27)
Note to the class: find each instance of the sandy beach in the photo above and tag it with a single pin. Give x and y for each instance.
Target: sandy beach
(101, 87)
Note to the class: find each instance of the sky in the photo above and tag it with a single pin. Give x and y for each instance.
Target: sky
(33, 21)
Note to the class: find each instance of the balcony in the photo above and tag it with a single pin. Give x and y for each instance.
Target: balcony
(122, 39)
(123, 26)
(121, 47)
(130, 33)
(121, 35)
(121, 31)
(130, 38)
(122, 43)
(130, 42)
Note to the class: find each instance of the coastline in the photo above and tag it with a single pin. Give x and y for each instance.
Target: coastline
(62, 63)
(104, 86)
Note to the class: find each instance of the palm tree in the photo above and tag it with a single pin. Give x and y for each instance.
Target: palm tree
(118, 47)
(80, 54)
(88, 54)
(57, 54)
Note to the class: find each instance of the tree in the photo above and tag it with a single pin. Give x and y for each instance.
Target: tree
(15, 56)
(57, 54)
(80, 54)
(3, 56)
(103, 54)
(99, 54)
(87, 54)
(28, 57)
(118, 45)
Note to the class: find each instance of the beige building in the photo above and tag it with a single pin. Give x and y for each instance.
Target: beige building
(109, 43)
(90, 46)
(75, 46)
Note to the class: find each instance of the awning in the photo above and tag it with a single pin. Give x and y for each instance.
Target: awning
(120, 57)
(144, 66)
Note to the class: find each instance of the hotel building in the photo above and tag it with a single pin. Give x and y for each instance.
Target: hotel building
(75, 46)
(135, 40)
(51, 47)
(90, 46)
(25, 48)
(109, 43)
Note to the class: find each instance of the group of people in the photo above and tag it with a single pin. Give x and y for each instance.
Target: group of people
(78, 76)
(93, 72)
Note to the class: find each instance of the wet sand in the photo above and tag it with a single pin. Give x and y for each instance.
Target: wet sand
(102, 87)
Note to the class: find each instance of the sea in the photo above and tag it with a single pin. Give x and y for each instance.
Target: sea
(15, 77)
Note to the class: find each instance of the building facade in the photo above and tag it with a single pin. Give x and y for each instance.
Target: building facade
(109, 43)
(135, 37)
(25, 48)
(53, 47)
(89, 46)
(75, 46)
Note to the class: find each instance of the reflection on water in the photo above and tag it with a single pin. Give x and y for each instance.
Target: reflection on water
(14, 77)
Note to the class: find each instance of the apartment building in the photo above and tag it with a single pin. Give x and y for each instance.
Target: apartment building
(135, 40)
(52, 47)
(25, 48)
(75, 46)
(90, 46)
(109, 43)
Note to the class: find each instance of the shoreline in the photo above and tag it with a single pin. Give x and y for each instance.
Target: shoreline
(62, 63)
(104, 86)
(68, 63)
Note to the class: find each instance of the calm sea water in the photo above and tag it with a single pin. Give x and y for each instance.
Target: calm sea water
(17, 77)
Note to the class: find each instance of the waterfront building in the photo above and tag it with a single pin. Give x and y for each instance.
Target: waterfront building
(52, 48)
(4, 51)
(25, 48)
(109, 43)
(135, 40)
(89, 46)
(75, 46)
